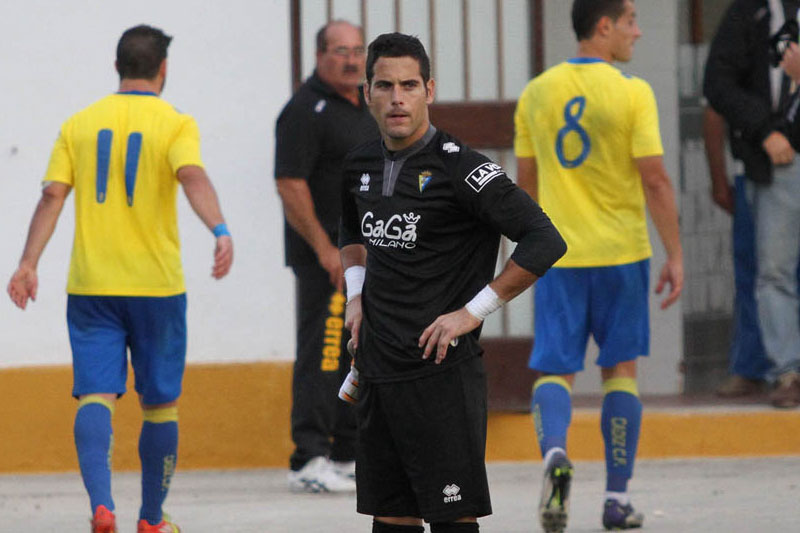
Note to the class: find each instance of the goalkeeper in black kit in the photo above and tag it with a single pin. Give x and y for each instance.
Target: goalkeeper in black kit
(422, 216)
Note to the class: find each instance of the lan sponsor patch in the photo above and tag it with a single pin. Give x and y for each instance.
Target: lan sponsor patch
(481, 176)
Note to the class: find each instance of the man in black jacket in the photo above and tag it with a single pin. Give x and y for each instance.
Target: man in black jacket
(324, 119)
(752, 94)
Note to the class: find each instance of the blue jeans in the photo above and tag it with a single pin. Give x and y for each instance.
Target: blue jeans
(777, 224)
(747, 356)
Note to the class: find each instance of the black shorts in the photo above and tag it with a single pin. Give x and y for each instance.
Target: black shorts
(421, 446)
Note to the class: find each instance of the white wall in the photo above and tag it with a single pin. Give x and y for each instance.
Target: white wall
(655, 60)
(229, 68)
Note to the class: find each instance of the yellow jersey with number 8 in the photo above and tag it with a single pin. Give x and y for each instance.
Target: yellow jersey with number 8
(586, 123)
(121, 155)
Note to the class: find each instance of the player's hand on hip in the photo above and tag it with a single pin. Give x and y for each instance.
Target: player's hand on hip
(352, 319)
(672, 275)
(331, 261)
(778, 148)
(23, 285)
(444, 331)
(223, 256)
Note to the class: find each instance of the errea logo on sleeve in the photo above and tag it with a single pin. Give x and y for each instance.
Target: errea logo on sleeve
(482, 175)
(450, 147)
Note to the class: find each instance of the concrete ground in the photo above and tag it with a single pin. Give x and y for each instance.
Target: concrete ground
(691, 495)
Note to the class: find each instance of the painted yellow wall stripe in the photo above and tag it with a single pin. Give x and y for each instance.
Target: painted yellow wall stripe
(37, 413)
(621, 385)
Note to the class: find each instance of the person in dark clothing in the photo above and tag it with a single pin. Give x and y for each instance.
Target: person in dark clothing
(323, 120)
(422, 216)
(747, 87)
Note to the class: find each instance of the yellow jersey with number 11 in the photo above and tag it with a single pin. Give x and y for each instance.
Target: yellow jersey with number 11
(586, 123)
(121, 155)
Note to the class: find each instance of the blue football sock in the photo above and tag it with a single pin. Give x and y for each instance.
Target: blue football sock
(621, 420)
(93, 441)
(552, 412)
(158, 451)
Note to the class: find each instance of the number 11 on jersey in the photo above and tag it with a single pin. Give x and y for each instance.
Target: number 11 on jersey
(134, 148)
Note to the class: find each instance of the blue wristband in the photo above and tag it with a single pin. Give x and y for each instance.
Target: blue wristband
(220, 230)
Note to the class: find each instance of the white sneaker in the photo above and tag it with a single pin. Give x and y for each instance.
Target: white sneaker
(345, 468)
(319, 475)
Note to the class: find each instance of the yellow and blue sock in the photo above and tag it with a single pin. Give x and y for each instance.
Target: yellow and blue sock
(552, 412)
(621, 420)
(94, 441)
(158, 451)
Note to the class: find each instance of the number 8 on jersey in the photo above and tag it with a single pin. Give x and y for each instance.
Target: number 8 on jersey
(572, 118)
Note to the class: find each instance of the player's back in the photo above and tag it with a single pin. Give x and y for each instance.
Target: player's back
(586, 122)
(121, 155)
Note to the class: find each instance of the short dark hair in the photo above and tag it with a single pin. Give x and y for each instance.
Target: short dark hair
(140, 51)
(398, 45)
(587, 13)
(322, 33)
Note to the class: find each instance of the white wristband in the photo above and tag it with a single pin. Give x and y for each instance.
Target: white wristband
(484, 303)
(354, 278)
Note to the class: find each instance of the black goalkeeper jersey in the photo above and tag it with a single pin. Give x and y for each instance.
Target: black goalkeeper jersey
(431, 217)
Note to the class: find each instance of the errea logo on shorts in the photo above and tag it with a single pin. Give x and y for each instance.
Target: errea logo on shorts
(481, 176)
(451, 493)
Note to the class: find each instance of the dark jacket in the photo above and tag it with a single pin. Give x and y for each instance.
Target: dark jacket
(737, 84)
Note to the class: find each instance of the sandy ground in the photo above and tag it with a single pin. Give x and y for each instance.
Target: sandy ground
(702, 495)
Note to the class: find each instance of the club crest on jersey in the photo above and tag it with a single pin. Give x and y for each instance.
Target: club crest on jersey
(424, 179)
(481, 176)
(364, 182)
(399, 231)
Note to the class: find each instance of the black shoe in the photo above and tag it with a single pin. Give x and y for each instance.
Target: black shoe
(554, 504)
(618, 516)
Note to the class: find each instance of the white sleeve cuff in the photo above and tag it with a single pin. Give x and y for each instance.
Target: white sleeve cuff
(354, 280)
(484, 303)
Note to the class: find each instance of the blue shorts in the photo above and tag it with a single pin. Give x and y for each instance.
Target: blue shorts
(103, 328)
(610, 303)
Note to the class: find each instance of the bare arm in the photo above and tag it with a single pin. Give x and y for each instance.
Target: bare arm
(24, 282)
(298, 207)
(791, 62)
(512, 281)
(714, 139)
(661, 204)
(528, 176)
(353, 255)
(203, 199)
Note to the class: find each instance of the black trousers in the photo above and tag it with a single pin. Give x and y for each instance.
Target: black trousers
(322, 424)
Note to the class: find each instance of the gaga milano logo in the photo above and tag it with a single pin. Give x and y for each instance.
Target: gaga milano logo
(399, 231)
